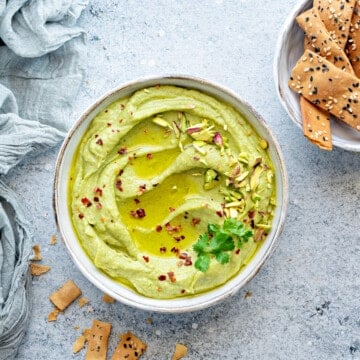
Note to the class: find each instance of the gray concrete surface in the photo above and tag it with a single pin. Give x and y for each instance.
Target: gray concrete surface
(304, 303)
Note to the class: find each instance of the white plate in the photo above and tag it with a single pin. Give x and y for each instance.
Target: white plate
(288, 51)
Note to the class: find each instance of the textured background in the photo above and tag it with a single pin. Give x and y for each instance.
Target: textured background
(305, 300)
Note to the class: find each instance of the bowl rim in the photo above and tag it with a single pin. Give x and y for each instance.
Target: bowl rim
(284, 30)
(177, 305)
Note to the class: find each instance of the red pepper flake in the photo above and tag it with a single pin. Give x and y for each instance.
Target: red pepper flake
(100, 142)
(218, 140)
(182, 291)
(98, 191)
(149, 156)
(158, 228)
(182, 237)
(122, 151)
(118, 185)
(162, 277)
(195, 221)
(96, 135)
(251, 214)
(219, 213)
(121, 171)
(188, 261)
(175, 250)
(138, 213)
(86, 202)
(146, 258)
(193, 130)
(141, 189)
(163, 250)
(177, 238)
(237, 251)
(171, 209)
(98, 206)
(122, 106)
(96, 199)
(81, 216)
(171, 276)
(172, 228)
(186, 257)
(252, 224)
(137, 201)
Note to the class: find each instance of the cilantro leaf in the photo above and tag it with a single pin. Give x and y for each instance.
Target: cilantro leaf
(218, 241)
(237, 228)
(222, 258)
(202, 243)
(221, 241)
(202, 263)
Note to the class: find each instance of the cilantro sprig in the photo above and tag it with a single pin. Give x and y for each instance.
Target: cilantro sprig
(218, 241)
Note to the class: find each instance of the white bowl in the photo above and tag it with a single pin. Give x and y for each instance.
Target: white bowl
(105, 283)
(289, 49)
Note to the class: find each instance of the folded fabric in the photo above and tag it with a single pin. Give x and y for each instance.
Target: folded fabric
(41, 69)
(15, 250)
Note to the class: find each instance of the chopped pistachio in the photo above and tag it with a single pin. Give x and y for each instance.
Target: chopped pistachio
(256, 197)
(258, 235)
(206, 134)
(184, 123)
(244, 157)
(263, 226)
(210, 179)
(273, 201)
(233, 213)
(161, 122)
(263, 144)
(176, 129)
(199, 143)
(199, 149)
(234, 204)
(255, 178)
(256, 161)
(242, 176)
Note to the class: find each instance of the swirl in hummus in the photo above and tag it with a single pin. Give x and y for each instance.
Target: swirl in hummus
(151, 172)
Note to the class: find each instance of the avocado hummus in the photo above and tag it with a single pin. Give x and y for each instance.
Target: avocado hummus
(152, 171)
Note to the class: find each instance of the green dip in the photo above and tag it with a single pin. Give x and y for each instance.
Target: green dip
(149, 175)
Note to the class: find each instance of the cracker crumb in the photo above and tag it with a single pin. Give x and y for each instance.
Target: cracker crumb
(79, 344)
(53, 240)
(38, 269)
(179, 352)
(108, 299)
(83, 301)
(247, 294)
(65, 295)
(149, 320)
(37, 253)
(53, 315)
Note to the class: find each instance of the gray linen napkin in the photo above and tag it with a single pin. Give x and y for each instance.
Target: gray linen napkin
(40, 73)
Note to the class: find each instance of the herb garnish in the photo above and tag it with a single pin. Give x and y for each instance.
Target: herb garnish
(218, 241)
